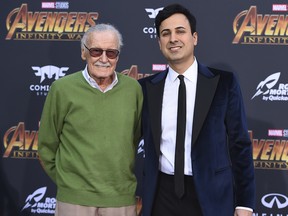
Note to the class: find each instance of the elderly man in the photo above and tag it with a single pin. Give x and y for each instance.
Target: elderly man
(89, 131)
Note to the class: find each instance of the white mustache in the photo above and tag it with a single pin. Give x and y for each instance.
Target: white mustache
(102, 65)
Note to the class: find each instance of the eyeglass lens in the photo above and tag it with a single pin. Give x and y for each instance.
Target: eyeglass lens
(96, 52)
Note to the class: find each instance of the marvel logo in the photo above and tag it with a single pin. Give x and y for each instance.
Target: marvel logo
(280, 7)
(48, 5)
(275, 132)
(159, 67)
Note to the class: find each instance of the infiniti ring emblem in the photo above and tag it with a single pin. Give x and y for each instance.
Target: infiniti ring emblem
(270, 200)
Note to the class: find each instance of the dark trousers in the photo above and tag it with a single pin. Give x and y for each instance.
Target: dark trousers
(166, 202)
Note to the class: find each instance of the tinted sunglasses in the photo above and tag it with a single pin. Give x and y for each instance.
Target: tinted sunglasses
(97, 52)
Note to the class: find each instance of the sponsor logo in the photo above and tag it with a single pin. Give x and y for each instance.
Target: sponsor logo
(48, 5)
(267, 29)
(270, 153)
(46, 72)
(133, 72)
(20, 143)
(280, 7)
(268, 214)
(23, 24)
(270, 91)
(33, 201)
(141, 148)
(152, 13)
(274, 132)
(159, 67)
(55, 5)
(275, 200)
(151, 30)
(278, 132)
(285, 133)
(49, 71)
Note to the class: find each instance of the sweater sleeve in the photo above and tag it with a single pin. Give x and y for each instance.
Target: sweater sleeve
(139, 108)
(48, 139)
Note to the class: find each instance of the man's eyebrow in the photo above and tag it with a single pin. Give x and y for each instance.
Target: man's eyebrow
(179, 27)
(164, 30)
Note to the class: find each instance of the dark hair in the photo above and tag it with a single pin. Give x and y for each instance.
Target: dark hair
(171, 10)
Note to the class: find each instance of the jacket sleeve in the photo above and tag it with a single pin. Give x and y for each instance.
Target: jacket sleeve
(240, 147)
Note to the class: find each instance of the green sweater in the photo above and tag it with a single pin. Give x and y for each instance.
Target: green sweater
(88, 140)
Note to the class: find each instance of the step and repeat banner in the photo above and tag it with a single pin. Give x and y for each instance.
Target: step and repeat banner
(40, 43)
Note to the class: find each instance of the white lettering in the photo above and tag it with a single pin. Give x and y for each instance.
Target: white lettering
(39, 87)
(48, 4)
(279, 7)
(275, 133)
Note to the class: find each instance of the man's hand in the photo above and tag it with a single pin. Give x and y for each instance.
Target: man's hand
(242, 212)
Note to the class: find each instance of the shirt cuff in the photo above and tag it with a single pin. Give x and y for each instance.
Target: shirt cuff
(244, 208)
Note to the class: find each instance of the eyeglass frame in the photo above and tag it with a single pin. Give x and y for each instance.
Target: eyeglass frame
(102, 50)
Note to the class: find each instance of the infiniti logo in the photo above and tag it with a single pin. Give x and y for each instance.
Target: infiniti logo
(270, 200)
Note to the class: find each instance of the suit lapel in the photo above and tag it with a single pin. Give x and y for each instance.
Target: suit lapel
(206, 87)
(155, 90)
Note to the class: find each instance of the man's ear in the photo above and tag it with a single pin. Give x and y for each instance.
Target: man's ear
(195, 36)
(83, 54)
(159, 43)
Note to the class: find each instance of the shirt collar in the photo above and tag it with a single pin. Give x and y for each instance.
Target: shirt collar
(191, 73)
(94, 84)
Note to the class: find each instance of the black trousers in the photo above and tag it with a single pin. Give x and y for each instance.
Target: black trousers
(166, 202)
